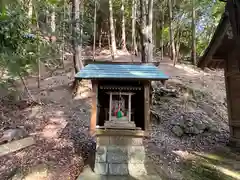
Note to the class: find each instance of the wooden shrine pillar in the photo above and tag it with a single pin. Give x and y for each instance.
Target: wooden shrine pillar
(232, 82)
(146, 105)
(94, 111)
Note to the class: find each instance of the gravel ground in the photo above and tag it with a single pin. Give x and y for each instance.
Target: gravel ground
(60, 124)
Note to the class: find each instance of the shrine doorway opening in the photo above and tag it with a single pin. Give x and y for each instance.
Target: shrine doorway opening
(126, 96)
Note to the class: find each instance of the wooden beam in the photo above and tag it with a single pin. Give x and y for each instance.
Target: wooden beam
(110, 107)
(121, 93)
(146, 105)
(129, 107)
(94, 114)
(235, 123)
(228, 94)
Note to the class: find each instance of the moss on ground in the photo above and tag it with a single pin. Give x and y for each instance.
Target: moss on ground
(211, 167)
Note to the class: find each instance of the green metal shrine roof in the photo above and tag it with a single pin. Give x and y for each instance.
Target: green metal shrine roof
(121, 71)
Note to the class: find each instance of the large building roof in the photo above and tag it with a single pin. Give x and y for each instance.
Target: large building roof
(121, 72)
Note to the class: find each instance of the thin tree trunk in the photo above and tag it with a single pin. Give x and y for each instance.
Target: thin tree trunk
(179, 34)
(134, 44)
(38, 51)
(123, 27)
(26, 88)
(162, 29)
(81, 29)
(53, 21)
(100, 38)
(194, 57)
(112, 29)
(173, 52)
(75, 28)
(109, 42)
(143, 30)
(150, 30)
(63, 28)
(94, 29)
(30, 13)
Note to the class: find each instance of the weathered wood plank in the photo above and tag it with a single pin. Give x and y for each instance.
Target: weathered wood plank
(146, 105)
(94, 114)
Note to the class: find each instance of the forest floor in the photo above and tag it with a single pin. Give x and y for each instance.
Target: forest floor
(60, 127)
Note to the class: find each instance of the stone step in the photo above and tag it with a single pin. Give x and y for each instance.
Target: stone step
(88, 174)
(124, 169)
(119, 140)
(122, 132)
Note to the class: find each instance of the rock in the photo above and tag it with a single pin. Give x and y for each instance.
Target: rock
(177, 130)
(13, 134)
(178, 121)
(191, 130)
(189, 122)
(200, 125)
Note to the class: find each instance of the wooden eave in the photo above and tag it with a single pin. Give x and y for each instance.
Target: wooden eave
(208, 59)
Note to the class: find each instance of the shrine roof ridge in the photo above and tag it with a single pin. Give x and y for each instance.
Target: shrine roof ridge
(121, 71)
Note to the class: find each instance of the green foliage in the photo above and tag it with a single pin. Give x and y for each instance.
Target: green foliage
(17, 52)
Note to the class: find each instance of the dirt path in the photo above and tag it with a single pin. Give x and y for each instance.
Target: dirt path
(61, 124)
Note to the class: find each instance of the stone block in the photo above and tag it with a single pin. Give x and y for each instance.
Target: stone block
(101, 168)
(136, 154)
(147, 177)
(101, 154)
(102, 140)
(120, 178)
(126, 140)
(118, 169)
(116, 154)
(16, 145)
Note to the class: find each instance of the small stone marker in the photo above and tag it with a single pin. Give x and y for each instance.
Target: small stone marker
(16, 145)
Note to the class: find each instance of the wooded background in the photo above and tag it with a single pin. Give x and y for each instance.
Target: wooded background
(45, 32)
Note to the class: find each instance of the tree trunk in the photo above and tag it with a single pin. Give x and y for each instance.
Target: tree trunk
(63, 29)
(194, 57)
(53, 21)
(162, 29)
(150, 31)
(179, 34)
(100, 37)
(134, 43)
(81, 29)
(94, 29)
(123, 27)
(173, 51)
(143, 30)
(75, 28)
(112, 29)
(30, 13)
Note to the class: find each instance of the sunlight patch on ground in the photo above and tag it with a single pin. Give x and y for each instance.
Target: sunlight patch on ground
(55, 127)
(35, 111)
(83, 96)
(203, 164)
(188, 69)
(228, 172)
(210, 156)
(39, 172)
(184, 154)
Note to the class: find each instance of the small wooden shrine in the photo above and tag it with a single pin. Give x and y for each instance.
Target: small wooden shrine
(121, 94)
(224, 52)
